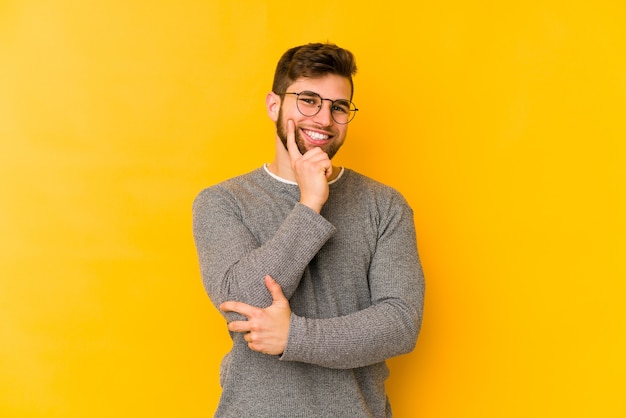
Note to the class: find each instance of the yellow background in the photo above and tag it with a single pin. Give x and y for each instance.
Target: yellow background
(502, 123)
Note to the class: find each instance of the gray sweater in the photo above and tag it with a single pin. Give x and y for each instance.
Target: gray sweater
(353, 279)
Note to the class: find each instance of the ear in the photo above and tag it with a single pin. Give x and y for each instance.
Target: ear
(272, 104)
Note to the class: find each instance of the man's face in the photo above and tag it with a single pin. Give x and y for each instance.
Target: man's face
(319, 130)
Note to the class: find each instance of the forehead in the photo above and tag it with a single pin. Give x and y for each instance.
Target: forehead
(330, 86)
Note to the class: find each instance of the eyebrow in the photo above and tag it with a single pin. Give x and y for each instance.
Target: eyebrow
(325, 98)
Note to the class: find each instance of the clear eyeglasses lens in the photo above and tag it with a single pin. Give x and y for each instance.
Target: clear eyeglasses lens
(310, 103)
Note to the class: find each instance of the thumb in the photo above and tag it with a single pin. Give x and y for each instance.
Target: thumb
(275, 290)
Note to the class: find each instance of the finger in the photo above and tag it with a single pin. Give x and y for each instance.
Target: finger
(275, 290)
(239, 326)
(314, 154)
(317, 156)
(329, 172)
(238, 307)
(292, 147)
(320, 159)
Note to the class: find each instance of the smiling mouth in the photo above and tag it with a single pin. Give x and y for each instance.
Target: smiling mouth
(316, 136)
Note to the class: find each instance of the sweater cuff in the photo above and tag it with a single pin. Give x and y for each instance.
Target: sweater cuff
(295, 323)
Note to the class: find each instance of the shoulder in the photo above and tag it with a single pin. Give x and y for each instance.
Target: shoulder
(231, 189)
(371, 189)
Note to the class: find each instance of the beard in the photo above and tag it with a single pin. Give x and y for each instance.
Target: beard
(281, 129)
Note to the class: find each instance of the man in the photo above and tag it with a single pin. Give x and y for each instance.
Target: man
(314, 266)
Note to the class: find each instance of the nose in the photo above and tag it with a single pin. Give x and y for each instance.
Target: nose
(324, 117)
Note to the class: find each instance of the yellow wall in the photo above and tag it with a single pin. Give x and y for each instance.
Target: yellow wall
(502, 123)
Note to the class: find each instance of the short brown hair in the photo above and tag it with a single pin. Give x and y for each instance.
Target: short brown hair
(313, 60)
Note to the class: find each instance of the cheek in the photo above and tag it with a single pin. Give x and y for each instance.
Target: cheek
(342, 134)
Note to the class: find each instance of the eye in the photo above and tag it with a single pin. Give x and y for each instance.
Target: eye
(341, 106)
(309, 98)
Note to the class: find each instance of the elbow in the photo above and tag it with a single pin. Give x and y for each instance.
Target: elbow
(408, 342)
(410, 333)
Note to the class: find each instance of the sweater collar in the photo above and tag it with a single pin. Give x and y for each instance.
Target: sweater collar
(282, 180)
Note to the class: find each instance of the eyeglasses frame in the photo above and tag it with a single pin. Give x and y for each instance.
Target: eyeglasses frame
(319, 108)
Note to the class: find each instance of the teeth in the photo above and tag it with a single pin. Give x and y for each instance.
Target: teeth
(316, 135)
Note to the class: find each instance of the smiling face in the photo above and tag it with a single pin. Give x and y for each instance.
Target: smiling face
(319, 130)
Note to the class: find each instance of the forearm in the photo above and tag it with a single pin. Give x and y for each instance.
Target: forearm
(234, 263)
(365, 337)
(389, 326)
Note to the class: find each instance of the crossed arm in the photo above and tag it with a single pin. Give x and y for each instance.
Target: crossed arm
(388, 327)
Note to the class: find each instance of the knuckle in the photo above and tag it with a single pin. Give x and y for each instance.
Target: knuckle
(257, 314)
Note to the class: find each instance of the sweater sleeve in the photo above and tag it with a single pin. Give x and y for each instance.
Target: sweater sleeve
(233, 262)
(387, 328)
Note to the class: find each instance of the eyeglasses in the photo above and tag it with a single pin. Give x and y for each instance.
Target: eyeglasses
(310, 104)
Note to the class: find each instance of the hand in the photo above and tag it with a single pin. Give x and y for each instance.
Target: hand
(266, 329)
(312, 171)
